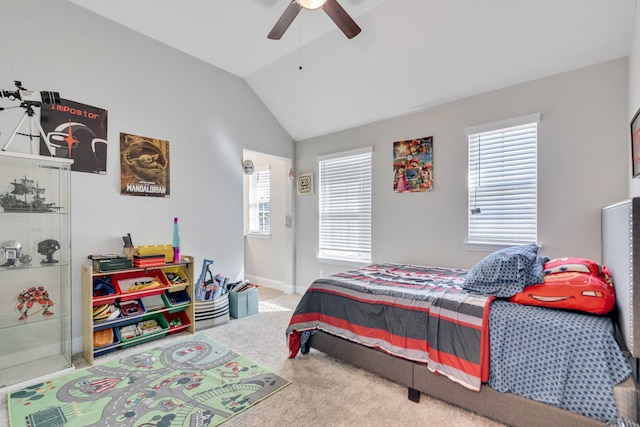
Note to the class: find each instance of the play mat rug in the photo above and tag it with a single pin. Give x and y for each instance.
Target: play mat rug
(192, 382)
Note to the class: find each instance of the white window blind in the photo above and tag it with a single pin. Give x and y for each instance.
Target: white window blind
(345, 206)
(259, 200)
(503, 182)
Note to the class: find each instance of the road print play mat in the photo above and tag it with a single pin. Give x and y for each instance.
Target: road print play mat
(192, 382)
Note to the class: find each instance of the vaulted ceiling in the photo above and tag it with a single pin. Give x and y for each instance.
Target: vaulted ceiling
(410, 55)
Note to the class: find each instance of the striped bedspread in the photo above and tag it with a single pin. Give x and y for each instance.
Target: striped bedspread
(418, 313)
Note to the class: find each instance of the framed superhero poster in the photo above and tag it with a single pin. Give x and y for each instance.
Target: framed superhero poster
(144, 166)
(413, 165)
(75, 131)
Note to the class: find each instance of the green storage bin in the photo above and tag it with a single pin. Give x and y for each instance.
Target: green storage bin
(139, 339)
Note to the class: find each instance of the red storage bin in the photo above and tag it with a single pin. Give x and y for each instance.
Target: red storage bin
(180, 316)
(126, 280)
(105, 291)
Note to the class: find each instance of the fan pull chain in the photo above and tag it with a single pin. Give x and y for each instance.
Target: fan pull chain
(300, 49)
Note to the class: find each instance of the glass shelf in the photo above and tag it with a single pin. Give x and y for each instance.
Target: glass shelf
(33, 265)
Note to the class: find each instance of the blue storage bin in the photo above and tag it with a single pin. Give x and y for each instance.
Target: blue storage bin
(99, 351)
(120, 320)
(176, 301)
(243, 303)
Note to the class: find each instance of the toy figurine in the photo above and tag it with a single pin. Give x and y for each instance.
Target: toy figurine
(47, 248)
(31, 296)
(12, 251)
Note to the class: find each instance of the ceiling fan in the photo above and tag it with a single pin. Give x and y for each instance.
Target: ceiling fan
(337, 14)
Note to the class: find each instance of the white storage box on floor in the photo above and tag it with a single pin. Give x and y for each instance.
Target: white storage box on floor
(211, 313)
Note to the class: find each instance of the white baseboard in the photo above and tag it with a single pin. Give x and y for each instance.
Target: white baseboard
(270, 283)
(76, 345)
(301, 289)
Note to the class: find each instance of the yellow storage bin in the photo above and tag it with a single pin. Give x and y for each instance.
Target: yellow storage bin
(166, 250)
(177, 278)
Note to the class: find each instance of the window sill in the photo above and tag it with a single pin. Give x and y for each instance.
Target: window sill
(342, 261)
(490, 247)
(259, 235)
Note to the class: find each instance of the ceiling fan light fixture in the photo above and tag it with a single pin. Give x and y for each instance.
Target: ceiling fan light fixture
(311, 4)
(331, 7)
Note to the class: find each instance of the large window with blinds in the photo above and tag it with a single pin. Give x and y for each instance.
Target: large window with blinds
(503, 182)
(344, 191)
(259, 200)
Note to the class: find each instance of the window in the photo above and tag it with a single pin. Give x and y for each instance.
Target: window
(503, 182)
(345, 206)
(259, 197)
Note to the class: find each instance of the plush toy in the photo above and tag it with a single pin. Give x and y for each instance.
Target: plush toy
(574, 284)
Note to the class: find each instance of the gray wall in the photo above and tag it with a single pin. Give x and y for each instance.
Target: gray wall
(208, 115)
(582, 166)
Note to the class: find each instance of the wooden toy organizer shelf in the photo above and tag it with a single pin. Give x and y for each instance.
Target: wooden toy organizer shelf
(163, 315)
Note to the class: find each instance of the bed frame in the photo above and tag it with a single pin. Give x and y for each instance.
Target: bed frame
(620, 235)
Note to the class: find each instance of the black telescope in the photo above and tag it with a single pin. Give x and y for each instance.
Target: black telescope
(30, 97)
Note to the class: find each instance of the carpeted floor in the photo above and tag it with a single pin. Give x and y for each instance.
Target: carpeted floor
(324, 391)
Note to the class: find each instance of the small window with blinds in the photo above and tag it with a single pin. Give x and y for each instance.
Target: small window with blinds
(503, 182)
(259, 200)
(345, 206)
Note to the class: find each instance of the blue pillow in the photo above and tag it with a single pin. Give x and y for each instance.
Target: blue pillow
(506, 272)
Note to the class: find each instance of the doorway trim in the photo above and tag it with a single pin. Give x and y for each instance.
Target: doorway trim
(285, 189)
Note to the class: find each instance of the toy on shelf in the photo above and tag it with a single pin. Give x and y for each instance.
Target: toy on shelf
(128, 250)
(12, 251)
(176, 241)
(47, 248)
(29, 297)
(30, 200)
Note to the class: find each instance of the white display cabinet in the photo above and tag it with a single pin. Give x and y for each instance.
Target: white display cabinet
(35, 271)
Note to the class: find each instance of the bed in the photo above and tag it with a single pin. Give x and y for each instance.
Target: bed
(507, 361)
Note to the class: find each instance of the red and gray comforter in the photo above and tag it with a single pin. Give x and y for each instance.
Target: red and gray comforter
(418, 313)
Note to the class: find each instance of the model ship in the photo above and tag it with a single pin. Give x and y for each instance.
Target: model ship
(26, 196)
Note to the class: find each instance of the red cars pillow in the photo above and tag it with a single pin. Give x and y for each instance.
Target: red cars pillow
(582, 265)
(573, 284)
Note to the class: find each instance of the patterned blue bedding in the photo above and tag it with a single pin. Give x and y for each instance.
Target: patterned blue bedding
(562, 358)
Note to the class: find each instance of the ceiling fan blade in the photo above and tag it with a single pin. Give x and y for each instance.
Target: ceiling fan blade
(285, 20)
(341, 18)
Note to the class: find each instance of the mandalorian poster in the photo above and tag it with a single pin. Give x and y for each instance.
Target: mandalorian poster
(144, 166)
